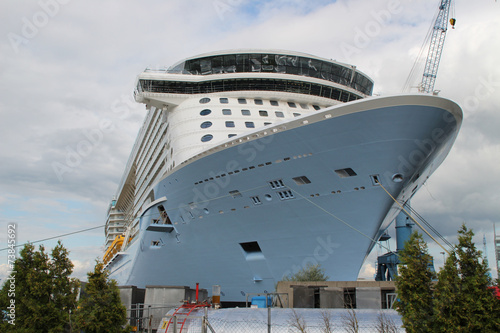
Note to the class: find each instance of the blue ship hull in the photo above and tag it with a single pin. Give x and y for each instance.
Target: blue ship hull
(267, 204)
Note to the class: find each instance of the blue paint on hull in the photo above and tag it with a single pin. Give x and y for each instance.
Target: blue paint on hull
(332, 221)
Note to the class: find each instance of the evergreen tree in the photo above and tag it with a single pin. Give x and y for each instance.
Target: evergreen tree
(414, 286)
(100, 309)
(309, 273)
(447, 315)
(44, 292)
(463, 302)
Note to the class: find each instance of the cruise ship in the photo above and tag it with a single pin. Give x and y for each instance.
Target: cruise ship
(254, 164)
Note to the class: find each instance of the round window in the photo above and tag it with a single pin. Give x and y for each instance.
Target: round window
(207, 138)
(206, 124)
(205, 112)
(204, 100)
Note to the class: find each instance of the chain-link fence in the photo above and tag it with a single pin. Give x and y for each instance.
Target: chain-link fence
(146, 317)
(276, 320)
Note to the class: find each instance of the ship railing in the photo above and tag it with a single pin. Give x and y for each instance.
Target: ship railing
(343, 94)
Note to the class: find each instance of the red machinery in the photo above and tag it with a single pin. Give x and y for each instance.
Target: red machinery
(496, 291)
(184, 311)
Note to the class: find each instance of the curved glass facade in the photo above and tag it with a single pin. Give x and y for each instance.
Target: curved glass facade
(276, 63)
(300, 87)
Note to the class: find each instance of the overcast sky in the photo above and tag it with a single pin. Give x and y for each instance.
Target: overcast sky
(68, 120)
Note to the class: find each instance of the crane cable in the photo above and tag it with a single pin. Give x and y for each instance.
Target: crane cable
(420, 217)
(347, 224)
(418, 60)
(53, 237)
(411, 217)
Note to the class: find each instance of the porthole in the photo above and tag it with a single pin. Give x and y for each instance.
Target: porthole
(205, 112)
(206, 124)
(207, 138)
(249, 124)
(204, 100)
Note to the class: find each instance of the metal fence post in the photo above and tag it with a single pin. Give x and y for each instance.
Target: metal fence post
(268, 318)
(149, 319)
(175, 323)
(204, 321)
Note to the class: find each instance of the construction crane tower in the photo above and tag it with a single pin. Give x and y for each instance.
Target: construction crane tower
(436, 47)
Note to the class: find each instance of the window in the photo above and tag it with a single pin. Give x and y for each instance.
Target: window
(304, 106)
(226, 112)
(285, 195)
(249, 124)
(295, 114)
(274, 103)
(231, 135)
(267, 123)
(263, 113)
(250, 247)
(223, 100)
(206, 124)
(205, 112)
(235, 193)
(301, 180)
(207, 138)
(242, 101)
(292, 104)
(344, 173)
(163, 215)
(316, 107)
(256, 200)
(258, 102)
(276, 184)
(204, 100)
(279, 114)
(245, 112)
(350, 298)
(229, 123)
